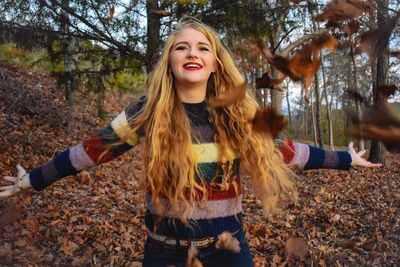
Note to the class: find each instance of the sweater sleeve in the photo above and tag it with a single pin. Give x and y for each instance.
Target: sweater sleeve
(309, 157)
(104, 145)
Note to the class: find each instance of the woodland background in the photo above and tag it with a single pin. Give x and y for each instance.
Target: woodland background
(67, 67)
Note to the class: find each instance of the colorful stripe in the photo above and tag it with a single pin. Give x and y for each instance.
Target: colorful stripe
(201, 210)
(210, 153)
(301, 155)
(287, 148)
(79, 159)
(121, 127)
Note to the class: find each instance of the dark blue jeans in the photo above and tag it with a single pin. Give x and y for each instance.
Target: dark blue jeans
(159, 255)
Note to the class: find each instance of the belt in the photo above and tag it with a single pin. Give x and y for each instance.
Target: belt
(183, 242)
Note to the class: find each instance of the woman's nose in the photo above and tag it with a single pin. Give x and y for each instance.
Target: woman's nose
(192, 53)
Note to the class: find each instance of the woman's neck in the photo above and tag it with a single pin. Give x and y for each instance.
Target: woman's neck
(191, 93)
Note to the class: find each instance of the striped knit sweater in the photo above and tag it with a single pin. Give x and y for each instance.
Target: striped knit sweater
(223, 211)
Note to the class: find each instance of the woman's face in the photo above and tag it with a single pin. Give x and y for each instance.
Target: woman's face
(192, 59)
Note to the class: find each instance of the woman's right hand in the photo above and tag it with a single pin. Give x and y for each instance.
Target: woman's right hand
(20, 182)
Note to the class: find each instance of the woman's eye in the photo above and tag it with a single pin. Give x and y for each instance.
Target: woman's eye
(204, 49)
(180, 48)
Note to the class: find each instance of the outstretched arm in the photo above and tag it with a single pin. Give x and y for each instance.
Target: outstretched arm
(309, 157)
(103, 146)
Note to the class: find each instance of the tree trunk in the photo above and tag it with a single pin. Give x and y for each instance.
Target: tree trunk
(328, 105)
(276, 94)
(317, 126)
(288, 106)
(360, 141)
(314, 121)
(153, 35)
(68, 78)
(377, 151)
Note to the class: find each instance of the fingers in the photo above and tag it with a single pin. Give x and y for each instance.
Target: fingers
(10, 178)
(350, 146)
(361, 153)
(374, 165)
(6, 193)
(6, 187)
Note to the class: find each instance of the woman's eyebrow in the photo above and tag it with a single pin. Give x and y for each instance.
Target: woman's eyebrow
(187, 43)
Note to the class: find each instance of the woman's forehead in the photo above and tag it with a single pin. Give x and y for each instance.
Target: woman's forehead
(191, 35)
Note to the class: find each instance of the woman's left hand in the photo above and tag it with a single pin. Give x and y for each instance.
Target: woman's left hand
(357, 160)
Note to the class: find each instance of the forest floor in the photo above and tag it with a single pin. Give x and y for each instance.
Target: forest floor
(347, 218)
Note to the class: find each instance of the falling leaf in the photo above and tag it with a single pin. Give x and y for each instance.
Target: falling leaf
(227, 242)
(230, 97)
(355, 95)
(351, 27)
(324, 41)
(161, 13)
(266, 82)
(394, 53)
(381, 123)
(387, 90)
(192, 261)
(301, 66)
(376, 40)
(269, 122)
(112, 11)
(296, 250)
(338, 10)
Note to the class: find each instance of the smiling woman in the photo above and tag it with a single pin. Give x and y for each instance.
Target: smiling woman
(193, 154)
(192, 62)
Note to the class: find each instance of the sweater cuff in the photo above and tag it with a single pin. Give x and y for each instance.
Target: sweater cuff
(345, 160)
(325, 159)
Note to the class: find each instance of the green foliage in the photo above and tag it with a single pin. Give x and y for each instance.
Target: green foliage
(37, 58)
(127, 81)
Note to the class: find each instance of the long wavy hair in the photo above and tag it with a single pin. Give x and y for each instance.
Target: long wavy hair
(169, 161)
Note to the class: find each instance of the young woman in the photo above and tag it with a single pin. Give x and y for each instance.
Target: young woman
(193, 155)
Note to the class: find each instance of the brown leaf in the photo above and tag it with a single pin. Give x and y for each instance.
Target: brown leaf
(266, 82)
(387, 90)
(161, 13)
(376, 40)
(351, 27)
(324, 41)
(338, 10)
(394, 53)
(382, 124)
(301, 66)
(31, 224)
(112, 11)
(227, 242)
(192, 261)
(230, 97)
(11, 214)
(355, 95)
(296, 250)
(269, 122)
(69, 247)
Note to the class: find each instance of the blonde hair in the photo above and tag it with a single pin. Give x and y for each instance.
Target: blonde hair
(170, 165)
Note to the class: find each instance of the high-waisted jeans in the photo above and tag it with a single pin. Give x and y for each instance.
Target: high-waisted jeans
(160, 255)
